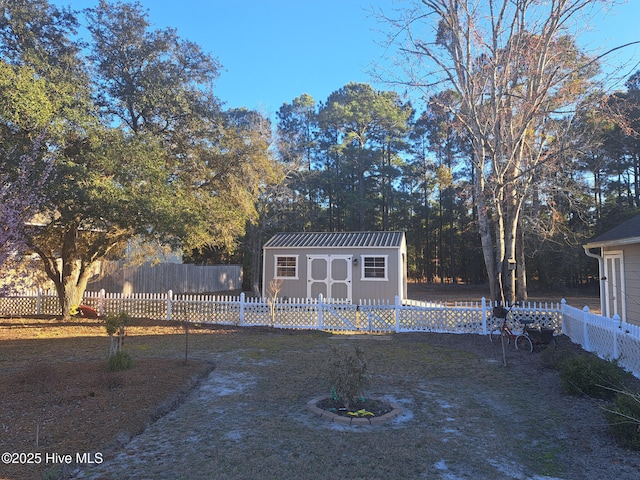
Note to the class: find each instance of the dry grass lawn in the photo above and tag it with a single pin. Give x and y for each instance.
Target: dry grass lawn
(236, 408)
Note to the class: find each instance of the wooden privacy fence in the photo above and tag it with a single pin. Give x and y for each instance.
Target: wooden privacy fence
(178, 277)
(609, 338)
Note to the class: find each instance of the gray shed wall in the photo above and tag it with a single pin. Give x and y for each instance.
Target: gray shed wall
(361, 288)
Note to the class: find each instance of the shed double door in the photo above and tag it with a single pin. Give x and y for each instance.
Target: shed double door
(329, 275)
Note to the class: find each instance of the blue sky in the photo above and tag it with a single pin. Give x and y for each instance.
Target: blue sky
(275, 50)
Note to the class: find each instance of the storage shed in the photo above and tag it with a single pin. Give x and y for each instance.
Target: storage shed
(618, 254)
(352, 266)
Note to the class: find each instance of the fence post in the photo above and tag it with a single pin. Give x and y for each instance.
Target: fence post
(241, 308)
(585, 334)
(563, 304)
(169, 300)
(320, 311)
(616, 353)
(39, 302)
(397, 304)
(101, 297)
(483, 303)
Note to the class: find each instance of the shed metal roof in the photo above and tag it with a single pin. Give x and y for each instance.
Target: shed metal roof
(335, 239)
(626, 232)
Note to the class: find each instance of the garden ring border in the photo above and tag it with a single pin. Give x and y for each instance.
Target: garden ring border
(335, 418)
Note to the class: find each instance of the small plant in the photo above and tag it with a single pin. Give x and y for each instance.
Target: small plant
(119, 361)
(347, 375)
(624, 419)
(116, 328)
(592, 376)
(275, 285)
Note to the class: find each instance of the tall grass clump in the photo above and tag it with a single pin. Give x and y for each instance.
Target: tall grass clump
(119, 361)
(624, 419)
(591, 376)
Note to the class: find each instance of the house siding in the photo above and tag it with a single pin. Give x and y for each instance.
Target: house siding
(632, 282)
(631, 261)
(624, 239)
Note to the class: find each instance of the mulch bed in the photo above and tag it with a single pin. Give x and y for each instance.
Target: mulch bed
(375, 407)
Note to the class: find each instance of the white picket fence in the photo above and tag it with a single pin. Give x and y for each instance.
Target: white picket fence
(303, 313)
(609, 338)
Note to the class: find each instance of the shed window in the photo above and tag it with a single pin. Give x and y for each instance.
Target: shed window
(286, 267)
(374, 268)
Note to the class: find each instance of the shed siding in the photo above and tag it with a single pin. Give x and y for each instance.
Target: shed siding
(361, 288)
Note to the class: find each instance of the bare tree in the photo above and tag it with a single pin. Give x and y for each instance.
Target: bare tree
(518, 77)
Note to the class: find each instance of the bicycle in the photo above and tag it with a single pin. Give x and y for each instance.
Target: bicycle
(522, 340)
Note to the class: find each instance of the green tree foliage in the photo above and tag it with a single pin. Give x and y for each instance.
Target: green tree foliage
(516, 155)
(153, 82)
(362, 132)
(143, 147)
(43, 92)
(297, 139)
(97, 206)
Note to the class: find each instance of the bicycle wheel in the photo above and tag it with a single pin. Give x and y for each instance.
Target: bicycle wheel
(523, 342)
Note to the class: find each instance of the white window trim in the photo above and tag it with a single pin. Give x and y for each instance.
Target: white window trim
(376, 279)
(275, 267)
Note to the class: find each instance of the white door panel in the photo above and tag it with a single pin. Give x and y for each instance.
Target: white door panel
(329, 275)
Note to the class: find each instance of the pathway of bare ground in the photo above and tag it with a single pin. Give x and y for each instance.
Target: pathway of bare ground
(465, 414)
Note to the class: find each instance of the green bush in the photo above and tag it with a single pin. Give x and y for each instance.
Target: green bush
(553, 357)
(624, 419)
(347, 375)
(116, 326)
(120, 361)
(592, 376)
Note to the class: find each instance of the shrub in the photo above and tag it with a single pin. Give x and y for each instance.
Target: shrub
(624, 419)
(347, 375)
(553, 357)
(592, 376)
(116, 326)
(119, 361)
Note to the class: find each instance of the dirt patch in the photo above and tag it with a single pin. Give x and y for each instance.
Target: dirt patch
(464, 415)
(58, 397)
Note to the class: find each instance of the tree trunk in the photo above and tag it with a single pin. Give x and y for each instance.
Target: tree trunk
(256, 233)
(510, 258)
(484, 226)
(70, 280)
(71, 297)
(521, 267)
